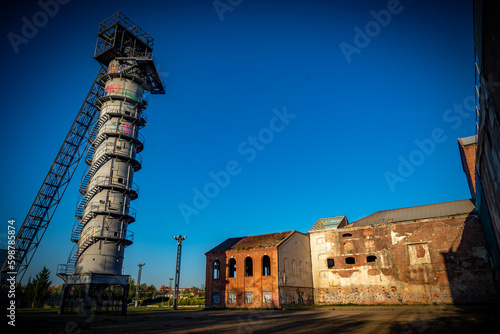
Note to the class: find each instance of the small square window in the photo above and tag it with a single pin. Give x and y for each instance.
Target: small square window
(231, 297)
(267, 297)
(330, 263)
(215, 297)
(248, 297)
(350, 260)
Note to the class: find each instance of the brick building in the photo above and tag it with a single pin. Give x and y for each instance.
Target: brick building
(487, 164)
(270, 270)
(426, 254)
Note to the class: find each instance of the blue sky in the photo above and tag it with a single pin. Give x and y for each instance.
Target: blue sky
(264, 90)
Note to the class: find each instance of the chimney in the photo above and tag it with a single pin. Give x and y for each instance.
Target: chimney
(467, 148)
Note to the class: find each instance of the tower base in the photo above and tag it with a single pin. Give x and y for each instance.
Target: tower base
(95, 293)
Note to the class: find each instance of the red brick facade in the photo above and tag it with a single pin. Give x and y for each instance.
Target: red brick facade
(253, 291)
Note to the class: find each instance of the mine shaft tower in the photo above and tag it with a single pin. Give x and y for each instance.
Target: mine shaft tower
(93, 273)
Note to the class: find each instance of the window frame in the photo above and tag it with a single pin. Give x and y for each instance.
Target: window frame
(266, 266)
(216, 269)
(248, 269)
(231, 270)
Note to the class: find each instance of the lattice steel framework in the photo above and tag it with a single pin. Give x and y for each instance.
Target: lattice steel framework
(53, 187)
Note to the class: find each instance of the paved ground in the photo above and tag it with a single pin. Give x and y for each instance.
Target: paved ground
(333, 319)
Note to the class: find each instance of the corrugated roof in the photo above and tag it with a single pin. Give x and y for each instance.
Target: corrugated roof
(255, 241)
(417, 212)
(327, 223)
(468, 140)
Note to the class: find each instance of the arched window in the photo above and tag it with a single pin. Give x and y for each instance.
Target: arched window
(248, 267)
(371, 258)
(232, 268)
(294, 268)
(300, 268)
(216, 269)
(345, 235)
(266, 266)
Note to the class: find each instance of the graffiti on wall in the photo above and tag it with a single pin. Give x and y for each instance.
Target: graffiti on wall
(295, 298)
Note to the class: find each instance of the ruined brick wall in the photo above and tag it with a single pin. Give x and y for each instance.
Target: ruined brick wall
(441, 260)
(262, 289)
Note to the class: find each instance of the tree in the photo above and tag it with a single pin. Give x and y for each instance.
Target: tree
(132, 288)
(194, 291)
(37, 291)
(186, 293)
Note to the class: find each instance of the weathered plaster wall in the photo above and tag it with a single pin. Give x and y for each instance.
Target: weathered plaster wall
(295, 261)
(295, 278)
(427, 261)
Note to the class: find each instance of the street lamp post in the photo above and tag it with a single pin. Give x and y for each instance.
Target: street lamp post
(138, 284)
(179, 239)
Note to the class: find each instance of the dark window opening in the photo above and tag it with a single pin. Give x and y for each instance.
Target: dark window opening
(248, 267)
(266, 266)
(371, 258)
(216, 269)
(232, 268)
(345, 235)
(350, 260)
(330, 263)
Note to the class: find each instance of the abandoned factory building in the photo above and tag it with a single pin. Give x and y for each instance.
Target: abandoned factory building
(430, 254)
(271, 270)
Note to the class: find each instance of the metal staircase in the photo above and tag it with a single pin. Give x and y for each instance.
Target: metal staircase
(53, 187)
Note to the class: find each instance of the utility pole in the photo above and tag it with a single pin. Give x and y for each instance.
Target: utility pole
(170, 289)
(138, 284)
(179, 239)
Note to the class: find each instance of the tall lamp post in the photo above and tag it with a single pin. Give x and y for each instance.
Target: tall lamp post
(138, 284)
(179, 239)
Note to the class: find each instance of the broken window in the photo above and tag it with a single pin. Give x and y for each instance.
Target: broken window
(266, 266)
(330, 263)
(216, 266)
(267, 297)
(215, 297)
(231, 297)
(248, 297)
(350, 260)
(232, 268)
(248, 267)
(371, 258)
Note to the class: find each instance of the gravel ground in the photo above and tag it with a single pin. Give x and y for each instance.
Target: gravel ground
(332, 319)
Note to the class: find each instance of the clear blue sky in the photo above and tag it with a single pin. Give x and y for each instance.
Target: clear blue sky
(352, 116)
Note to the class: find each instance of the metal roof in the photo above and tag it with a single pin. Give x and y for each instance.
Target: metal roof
(468, 140)
(251, 242)
(327, 223)
(417, 212)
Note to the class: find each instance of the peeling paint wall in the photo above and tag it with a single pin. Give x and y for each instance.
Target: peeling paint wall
(440, 260)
